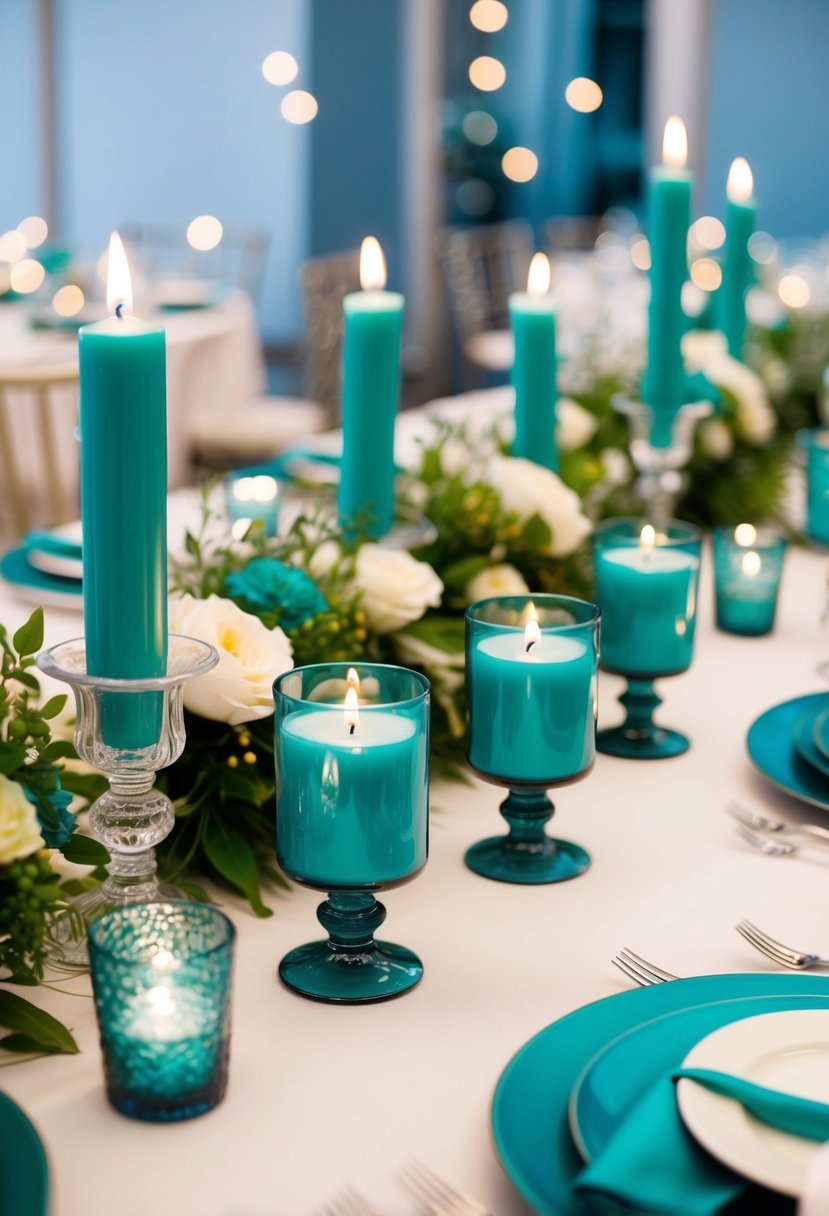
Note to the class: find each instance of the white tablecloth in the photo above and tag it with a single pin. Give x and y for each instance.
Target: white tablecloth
(214, 362)
(322, 1095)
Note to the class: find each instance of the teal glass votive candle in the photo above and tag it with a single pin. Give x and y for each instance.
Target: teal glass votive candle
(748, 565)
(161, 975)
(531, 681)
(647, 578)
(352, 816)
(814, 445)
(251, 494)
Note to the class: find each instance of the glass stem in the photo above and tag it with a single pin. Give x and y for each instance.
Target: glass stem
(640, 702)
(351, 918)
(527, 812)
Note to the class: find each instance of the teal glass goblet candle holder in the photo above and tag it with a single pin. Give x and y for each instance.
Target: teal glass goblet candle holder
(748, 565)
(161, 975)
(531, 681)
(814, 444)
(250, 495)
(352, 817)
(647, 579)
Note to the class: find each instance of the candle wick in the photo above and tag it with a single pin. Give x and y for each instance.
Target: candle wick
(351, 726)
(118, 308)
(530, 646)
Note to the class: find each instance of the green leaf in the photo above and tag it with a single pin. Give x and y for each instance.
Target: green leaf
(29, 637)
(191, 545)
(536, 533)
(235, 860)
(194, 891)
(85, 851)
(25, 1045)
(25, 1018)
(12, 756)
(28, 681)
(53, 706)
(78, 886)
(58, 749)
(86, 785)
(242, 788)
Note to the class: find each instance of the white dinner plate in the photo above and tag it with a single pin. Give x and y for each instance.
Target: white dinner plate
(787, 1051)
(53, 563)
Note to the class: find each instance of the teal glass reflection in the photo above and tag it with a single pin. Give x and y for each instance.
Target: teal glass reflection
(748, 564)
(161, 975)
(814, 445)
(647, 580)
(531, 680)
(352, 816)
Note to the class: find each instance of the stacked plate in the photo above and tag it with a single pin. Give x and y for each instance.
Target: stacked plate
(563, 1096)
(789, 744)
(46, 567)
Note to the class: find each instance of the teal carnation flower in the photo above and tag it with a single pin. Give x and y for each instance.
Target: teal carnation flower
(268, 586)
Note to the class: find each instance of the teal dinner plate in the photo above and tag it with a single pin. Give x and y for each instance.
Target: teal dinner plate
(37, 586)
(530, 1108)
(24, 1175)
(820, 732)
(803, 737)
(771, 749)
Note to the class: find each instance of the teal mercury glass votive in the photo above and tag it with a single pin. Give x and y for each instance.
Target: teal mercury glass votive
(531, 683)
(647, 578)
(161, 974)
(352, 817)
(253, 494)
(815, 447)
(748, 564)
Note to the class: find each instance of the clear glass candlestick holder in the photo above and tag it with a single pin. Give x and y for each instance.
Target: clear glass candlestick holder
(132, 817)
(660, 469)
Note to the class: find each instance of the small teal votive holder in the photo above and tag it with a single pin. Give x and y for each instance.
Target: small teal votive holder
(748, 565)
(352, 817)
(252, 494)
(814, 444)
(161, 975)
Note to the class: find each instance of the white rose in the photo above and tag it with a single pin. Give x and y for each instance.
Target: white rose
(324, 558)
(455, 457)
(239, 688)
(397, 589)
(616, 467)
(19, 829)
(715, 439)
(495, 580)
(575, 426)
(529, 489)
(702, 349)
(708, 353)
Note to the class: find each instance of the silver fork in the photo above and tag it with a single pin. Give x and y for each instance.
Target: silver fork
(348, 1203)
(786, 956)
(640, 970)
(772, 846)
(765, 823)
(438, 1197)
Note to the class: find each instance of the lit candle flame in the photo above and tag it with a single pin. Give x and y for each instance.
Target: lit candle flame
(119, 283)
(352, 701)
(752, 564)
(674, 144)
(532, 632)
(372, 265)
(745, 535)
(740, 184)
(538, 279)
(647, 537)
(161, 1002)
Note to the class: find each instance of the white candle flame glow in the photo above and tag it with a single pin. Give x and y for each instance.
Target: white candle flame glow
(740, 184)
(532, 632)
(538, 279)
(351, 714)
(745, 535)
(161, 1001)
(674, 144)
(647, 537)
(372, 265)
(119, 283)
(752, 564)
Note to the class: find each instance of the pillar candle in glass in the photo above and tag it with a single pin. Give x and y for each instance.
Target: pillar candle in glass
(123, 426)
(748, 564)
(669, 217)
(531, 679)
(738, 268)
(352, 812)
(252, 495)
(371, 387)
(646, 586)
(814, 444)
(161, 975)
(533, 320)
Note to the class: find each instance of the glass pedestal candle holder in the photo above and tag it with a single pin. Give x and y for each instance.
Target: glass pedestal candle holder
(660, 468)
(532, 680)
(814, 444)
(748, 565)
(161, 975)
(352, 816)
(252, 494)
(647, 579)
(132, 817)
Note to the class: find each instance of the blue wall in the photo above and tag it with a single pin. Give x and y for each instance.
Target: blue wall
(20, 184)
(769, 102)
(164, 115)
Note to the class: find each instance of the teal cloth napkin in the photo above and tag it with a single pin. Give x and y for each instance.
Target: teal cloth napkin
(653, 1164)
(48, 542)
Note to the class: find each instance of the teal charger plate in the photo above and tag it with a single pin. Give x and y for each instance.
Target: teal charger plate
(804, 739)
(38, 586)
(530, 1107)
(771, 750)
(24, 1174)
(820, 732)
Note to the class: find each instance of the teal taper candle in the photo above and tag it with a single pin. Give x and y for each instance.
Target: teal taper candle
(533, 319)
(124, 505)
(669, 217)
(371, 386)
(738, 270)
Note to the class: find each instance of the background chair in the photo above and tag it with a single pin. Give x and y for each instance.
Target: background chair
(38, 453)
(162, 252)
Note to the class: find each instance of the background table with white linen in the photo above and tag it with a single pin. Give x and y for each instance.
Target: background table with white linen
(323, 1095)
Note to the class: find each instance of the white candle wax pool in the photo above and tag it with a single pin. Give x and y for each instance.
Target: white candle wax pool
(648, 599)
